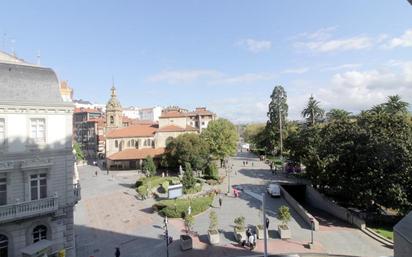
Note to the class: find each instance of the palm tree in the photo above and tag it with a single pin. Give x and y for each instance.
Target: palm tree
(337, 114)
(394, 105)
(313, 112)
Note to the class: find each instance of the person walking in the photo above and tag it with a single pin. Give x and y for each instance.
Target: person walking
(95, 173)
(220, 201)
(267, 223)
(117, 253)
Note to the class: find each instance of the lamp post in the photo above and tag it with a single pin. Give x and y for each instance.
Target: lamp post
(312, 225)
(265, 235)
(166, 236)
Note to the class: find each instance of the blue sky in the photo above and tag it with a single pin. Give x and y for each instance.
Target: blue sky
(226, 55)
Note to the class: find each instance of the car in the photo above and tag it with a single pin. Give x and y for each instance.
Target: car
(273, 190)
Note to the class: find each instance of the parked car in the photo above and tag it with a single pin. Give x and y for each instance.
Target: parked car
(273, 190)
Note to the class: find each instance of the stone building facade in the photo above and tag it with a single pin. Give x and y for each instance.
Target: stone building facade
(37, 191)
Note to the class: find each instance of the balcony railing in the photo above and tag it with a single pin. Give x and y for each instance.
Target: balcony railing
(76, 191)
(28, 209)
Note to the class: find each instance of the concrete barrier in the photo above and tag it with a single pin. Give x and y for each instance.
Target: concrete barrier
(306, 216)
(319, 201)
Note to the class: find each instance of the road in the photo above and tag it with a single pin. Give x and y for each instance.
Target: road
(109, 215)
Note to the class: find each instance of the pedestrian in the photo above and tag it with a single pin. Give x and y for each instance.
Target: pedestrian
(247, 163)
(243, 163)
(95, 173)
(252, 164)
(267, 223)
(271, 166)
(117, 253)
(220, 201)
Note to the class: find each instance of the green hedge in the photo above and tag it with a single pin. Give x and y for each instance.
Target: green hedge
(165, 186)
(168, 208)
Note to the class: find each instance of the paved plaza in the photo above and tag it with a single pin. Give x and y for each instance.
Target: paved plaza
(111, 215)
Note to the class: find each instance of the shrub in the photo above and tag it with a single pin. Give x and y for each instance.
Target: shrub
(149, 166)
(189, 222)
(142, 190)
(240, 223)
(165, 186)
(188, 179)
(284, 215)
(213, 226)
(211, 171)
(212, 182)
(178, 208)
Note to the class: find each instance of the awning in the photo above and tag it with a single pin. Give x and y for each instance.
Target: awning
(37, 248)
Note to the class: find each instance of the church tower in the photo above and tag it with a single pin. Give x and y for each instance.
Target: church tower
(114, 112)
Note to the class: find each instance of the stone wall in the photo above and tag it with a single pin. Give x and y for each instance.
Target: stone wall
(317, 200)
(306, 216)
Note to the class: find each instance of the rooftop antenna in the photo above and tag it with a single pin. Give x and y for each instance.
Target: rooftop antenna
(38, 57)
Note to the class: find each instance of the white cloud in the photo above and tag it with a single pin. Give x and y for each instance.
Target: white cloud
(320, 34)
(353, 43)
(405, 40)
(341, 67)
(255, 46)
(242, 109)
(296, 70)
(183, 76)
(245, 78)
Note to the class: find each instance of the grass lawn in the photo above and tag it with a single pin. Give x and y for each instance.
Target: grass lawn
(178, 208)
(385, 232)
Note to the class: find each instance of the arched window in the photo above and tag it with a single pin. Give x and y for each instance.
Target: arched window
(116, 143)
(4, 245)
(128, 143)
(39, 233)
(137, 144)
(132, 143)
(111, 119)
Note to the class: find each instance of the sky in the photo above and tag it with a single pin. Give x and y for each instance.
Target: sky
(227, 55)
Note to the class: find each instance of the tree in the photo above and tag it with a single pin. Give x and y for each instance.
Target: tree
(251, 132)
(221, 136)
(394, 105)
(284, 215)
(78, 151)
(188, 180)
(313, 113)
(149, 166)
(212, 171)
(337, 114)
(277, 114)
(187, 148)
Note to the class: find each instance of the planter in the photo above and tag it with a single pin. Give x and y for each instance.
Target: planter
(284, 232)
(259, 231)
(240, 235)
(186, 242)
(214, 237)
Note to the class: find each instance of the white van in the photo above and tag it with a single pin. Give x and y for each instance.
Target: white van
(274, 190)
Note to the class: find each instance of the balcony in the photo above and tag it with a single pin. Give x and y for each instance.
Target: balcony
(28, 209)
(76, 191)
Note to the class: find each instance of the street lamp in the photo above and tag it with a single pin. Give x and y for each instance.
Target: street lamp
(167, 238)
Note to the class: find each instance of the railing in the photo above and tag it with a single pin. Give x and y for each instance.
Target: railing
(28, 209)
(76, 191)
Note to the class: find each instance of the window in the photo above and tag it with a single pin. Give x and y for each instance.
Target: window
(39, 233)
(116, 143)
(4, 244)
(111, 119)
(137, 144)
(2, 133)
(38, 130)
(3, 192)
(203, 123)
(128, 143)
(38, 186)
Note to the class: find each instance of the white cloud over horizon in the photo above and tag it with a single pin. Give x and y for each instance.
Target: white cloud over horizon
(254, 45)
(405, 40)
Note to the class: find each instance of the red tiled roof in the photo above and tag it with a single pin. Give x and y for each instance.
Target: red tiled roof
(139, 130)
(136, 154)
(173, 114)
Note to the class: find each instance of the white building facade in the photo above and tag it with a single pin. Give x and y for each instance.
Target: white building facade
(37, 191)
(150, 114)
